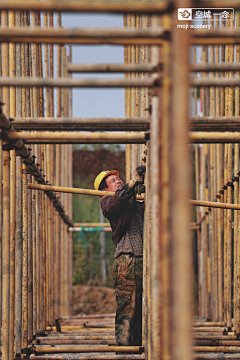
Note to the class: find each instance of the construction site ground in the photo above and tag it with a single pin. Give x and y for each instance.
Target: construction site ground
(89, 299)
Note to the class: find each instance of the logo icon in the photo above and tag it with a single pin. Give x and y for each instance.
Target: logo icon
(184, 14)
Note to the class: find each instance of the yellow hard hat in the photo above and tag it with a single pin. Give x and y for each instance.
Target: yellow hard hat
(102, 175)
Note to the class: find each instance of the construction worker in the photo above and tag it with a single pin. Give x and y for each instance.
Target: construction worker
(126, 219)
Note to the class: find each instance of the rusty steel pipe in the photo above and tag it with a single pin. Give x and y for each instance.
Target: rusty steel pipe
(214, 67)
(112, 68)
(86, 124)
(214, 123)
(24, 258)
(94, 357)
(80, 83)
(214, 137)
(93, 6)
(86, 349)
(74, 190)
(141, 136)
(30, 162)
(206, 82)
(88, 225)
(214, 204)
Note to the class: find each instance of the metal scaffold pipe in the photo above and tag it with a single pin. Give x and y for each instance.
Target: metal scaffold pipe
(85, 36)
(30, 162)
(140, 137)
(215, 123)
(78, 83)
(214, 137)
(74, 190)
(85, 124)
(93, 6)
(112, 68)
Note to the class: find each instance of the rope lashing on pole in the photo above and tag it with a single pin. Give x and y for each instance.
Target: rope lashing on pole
(29, 160)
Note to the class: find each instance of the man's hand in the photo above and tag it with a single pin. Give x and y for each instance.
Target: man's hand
(136, 179)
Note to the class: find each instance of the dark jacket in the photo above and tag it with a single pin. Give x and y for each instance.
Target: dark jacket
(119, 209)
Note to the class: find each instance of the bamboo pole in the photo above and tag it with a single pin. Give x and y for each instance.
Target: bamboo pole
(89, 83)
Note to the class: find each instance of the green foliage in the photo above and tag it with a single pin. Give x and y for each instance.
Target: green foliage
(87, 265)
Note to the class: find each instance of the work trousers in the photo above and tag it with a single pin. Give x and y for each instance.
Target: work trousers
(127, 278)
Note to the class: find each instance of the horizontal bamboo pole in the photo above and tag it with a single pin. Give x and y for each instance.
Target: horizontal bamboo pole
(89, 6)
(74, 190)
(87, 124)
(215, 67)
(112, 68)
(85, 349)
(214, 137)
(214, 204)
(215, 123)
(215, 82)
(78, 83)
(65, 135)
(91, 225)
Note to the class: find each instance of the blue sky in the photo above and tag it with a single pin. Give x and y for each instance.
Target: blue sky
(96, 102)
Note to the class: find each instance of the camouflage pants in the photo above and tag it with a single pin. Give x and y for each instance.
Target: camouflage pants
(127, 277)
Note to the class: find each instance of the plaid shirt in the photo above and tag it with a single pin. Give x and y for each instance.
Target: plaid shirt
(132, 241)
(126, 218)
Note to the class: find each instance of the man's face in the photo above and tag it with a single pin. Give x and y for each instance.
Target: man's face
(113, 183)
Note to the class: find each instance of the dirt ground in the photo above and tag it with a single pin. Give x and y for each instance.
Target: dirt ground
(93, 300)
